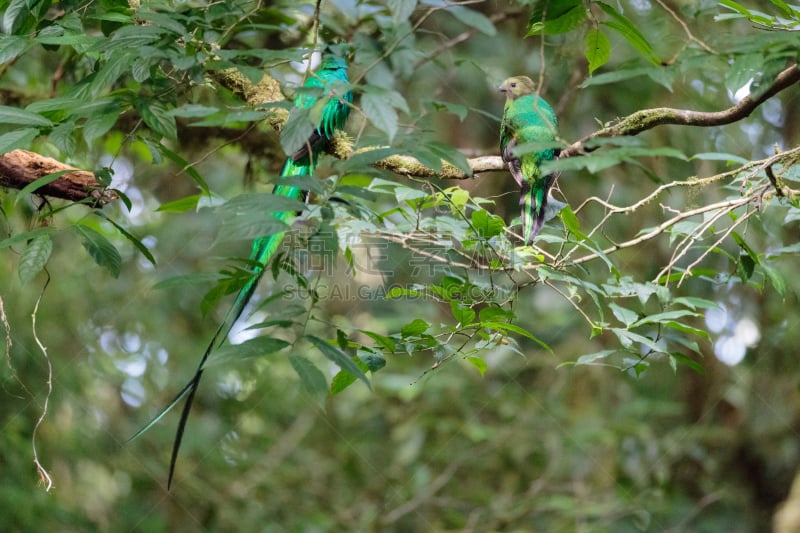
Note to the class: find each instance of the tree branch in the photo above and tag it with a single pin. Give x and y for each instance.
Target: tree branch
(650, 118)
(754, 196)
(631, 125)
(408, 166)
(20, 168)
(268, 91)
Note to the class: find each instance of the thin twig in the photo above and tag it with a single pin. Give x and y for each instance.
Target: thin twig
(7, 329)
(664, 225)
(571, 302)
(711, 248)
(461, 37)
(686, 29)
(689, 240)
(43, 474)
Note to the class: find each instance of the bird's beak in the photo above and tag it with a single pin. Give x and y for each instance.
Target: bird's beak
(501, 89)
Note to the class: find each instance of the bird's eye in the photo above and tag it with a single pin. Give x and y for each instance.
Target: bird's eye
(513, 85)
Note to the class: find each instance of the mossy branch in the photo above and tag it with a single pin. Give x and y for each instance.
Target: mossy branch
(268, 91)
(409, 166)
(646, 119)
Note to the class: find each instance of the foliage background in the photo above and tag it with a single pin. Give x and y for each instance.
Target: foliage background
(500, 435)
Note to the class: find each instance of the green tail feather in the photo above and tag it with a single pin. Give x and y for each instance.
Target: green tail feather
(262, 251)
(532, 202)
(301, 163)
(265, 247)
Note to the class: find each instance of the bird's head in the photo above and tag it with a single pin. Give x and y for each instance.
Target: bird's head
(344, 51)
(517, 86)
(331, 61)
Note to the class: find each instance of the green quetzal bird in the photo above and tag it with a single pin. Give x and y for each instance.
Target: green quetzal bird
(527, 118)
(333, 69)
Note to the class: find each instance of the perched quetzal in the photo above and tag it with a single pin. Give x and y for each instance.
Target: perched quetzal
(527, 118)
(333, 69)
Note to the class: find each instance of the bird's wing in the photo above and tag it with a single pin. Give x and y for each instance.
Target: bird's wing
(513, 162)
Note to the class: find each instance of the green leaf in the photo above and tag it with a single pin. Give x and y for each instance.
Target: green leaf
(493, 314)
(181, 205)
(165, 20)
(487, 225)
(41, 182)
(34, 257)
(478, 363)
(593, 358)
(687, 361)
(258, 347)
(380, 113)
(458, 110)
(374, 362)
(788, 11)
(458, 197)
(341, 381)
(664, 317)
(415, 327)
(463, 314)
(719, 156)
(11, 46)
(311, 377)
(185, 167)
(450, 154)
(188, 279)
(693, 302)
(628, 338)
(100, 122)
(14, 115)
(597, 49)
(133, 240)
(571, 222)
(626, 316)
(129, 38)
(775, 278)
(243, 216)
(474, 19)
(230, 118)
(344, 379)
(746, 248)
(62, 137)
(297, 130)
(401, 9)
(118, 64)
(55, 104)
(16, 12)
(746, 267)
(17, 139)
(556, 16)
(26, 236)
(636, 367)
(683, 328)
(387, 343)
(193, 111)
(79, 41)
(629, 31)
(736, 7)
(158, 118)
(503, 326)
(102, 251)
(341, 359)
